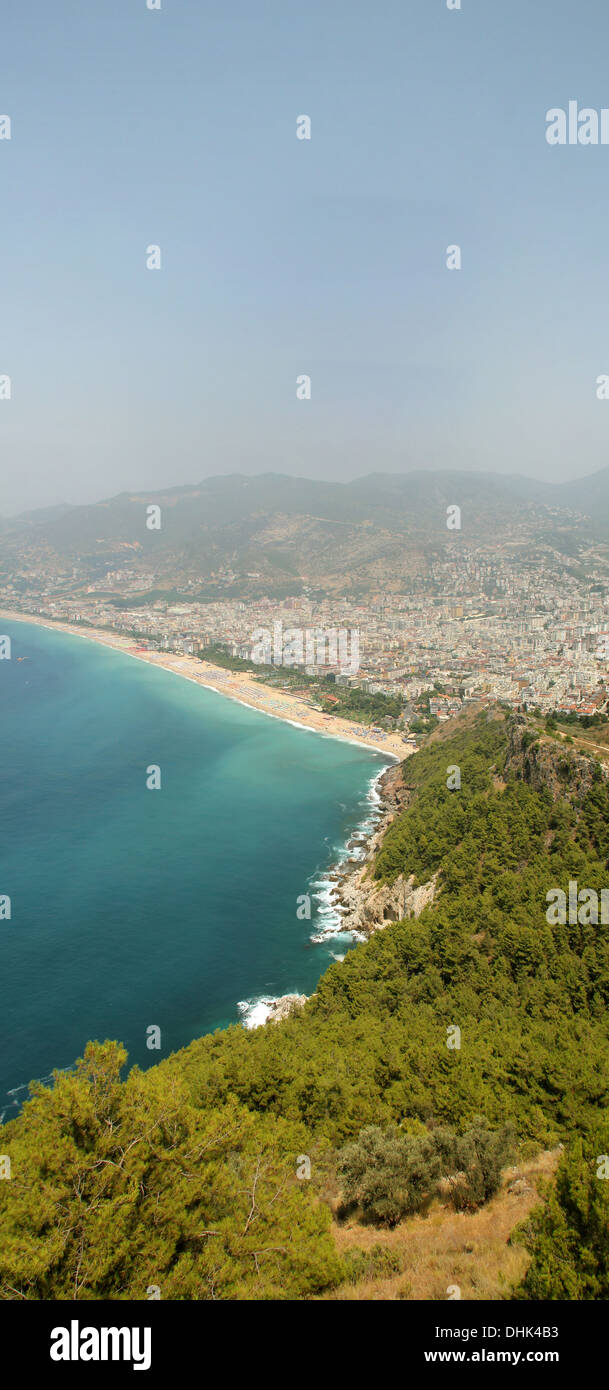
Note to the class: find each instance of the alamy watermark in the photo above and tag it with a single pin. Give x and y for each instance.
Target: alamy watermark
(575, 127)
(578, 905)
(76, 1343)
(297, 646)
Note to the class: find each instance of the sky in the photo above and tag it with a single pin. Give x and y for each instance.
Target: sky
(283, 257)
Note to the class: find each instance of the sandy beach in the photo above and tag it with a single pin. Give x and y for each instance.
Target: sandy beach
(237, 685)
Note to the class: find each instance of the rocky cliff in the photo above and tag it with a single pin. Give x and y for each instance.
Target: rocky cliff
(545, 763)
(365, 904)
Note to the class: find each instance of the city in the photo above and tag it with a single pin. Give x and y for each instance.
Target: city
(528, 635)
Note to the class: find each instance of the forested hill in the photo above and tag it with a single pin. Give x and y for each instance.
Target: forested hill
(205, 1177)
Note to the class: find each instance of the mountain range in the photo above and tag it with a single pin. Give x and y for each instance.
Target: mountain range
(293, 530)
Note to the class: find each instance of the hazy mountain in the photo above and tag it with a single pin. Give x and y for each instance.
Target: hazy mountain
(297, 528)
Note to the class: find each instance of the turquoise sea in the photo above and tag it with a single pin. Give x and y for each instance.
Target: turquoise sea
(133, 907)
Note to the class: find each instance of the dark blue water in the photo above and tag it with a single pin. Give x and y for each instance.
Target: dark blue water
(132, 907)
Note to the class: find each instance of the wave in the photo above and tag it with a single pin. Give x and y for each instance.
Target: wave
(327, 924)
(9, 1110)
(255, 1012)
(328, 921)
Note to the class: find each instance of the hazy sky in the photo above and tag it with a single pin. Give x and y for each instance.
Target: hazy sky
(280, 256)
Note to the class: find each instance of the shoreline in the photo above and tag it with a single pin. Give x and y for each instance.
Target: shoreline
(359, 845)
(354, 853)
(329, 924)
(353, 869)
(234, 685)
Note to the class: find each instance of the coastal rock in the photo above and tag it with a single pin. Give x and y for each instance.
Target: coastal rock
(281, 1008)
(371, 906)
(367, 906)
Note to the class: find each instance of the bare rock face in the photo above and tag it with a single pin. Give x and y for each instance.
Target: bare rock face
(544, 763)
(282, 1007)
(368, 906)
(365, 905)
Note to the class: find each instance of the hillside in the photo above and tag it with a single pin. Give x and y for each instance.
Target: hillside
(276, 530)
(478, 1253)
(209, 1174)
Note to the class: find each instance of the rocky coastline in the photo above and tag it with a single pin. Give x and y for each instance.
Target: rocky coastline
(365, 905)
(281, 1008)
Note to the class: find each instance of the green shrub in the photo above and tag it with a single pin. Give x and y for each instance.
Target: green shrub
(481, 1154)
(389, 1174)
(568, 1238)
(377, 1263)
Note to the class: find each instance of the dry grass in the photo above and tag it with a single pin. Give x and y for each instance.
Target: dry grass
(595, 739)
(591, 742)
(446, 1247)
